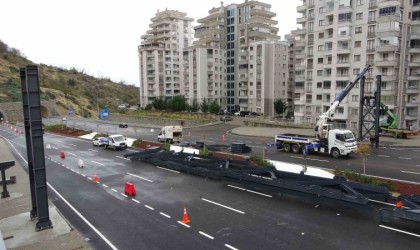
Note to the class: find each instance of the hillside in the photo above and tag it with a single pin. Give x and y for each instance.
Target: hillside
(69, 88)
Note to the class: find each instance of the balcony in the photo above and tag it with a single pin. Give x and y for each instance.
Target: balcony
(414, 50)
(300, 56)
(343, 50)
(264, 13)
(298, 101)
(300, 66)
(389, 77)
(387, 63)
(373, 5)
(412, 104)
(300, 43)
(301, 20)
(413, 64)
(301, 8)
(299, 32)
(388, 32)
(387, 48)
(343, 63)
(414, 75)
(412, 89)
(371, 35)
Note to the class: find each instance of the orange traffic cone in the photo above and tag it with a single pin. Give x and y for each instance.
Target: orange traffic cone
(95, 179)
(62, 155)
(399, 204)
(185, 219)
(223, 137)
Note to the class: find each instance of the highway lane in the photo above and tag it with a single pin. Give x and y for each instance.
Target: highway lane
(279, 222)
(389, 162)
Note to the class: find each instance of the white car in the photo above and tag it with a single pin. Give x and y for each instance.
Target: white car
(64, 119)
(97, 141)
(238, 113)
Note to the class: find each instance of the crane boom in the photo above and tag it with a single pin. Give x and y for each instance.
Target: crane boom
(325, 117)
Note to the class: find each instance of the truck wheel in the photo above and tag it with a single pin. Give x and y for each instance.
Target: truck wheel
(295, 148)
(335, 153)
(287, 147)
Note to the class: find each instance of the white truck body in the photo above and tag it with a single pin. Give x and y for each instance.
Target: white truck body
(338, 143)
(170, 134)
(115, 142)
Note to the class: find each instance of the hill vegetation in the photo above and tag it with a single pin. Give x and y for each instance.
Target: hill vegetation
(69, 88)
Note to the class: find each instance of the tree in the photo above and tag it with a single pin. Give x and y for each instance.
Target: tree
(204, 106)
(363, 150)
(159, 103)
(177, 103)
(214, 107)
(279, 106)
(195, 106)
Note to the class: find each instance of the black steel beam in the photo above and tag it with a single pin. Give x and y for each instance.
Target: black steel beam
(35, 120)
(26, 119)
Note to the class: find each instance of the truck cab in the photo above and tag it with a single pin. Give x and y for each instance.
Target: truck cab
(341, 142)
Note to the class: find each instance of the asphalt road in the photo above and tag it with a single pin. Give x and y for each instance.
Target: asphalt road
(395, 163)
(222, 217)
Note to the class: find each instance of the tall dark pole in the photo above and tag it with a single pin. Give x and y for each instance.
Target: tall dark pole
(361, 97)
(378, 107)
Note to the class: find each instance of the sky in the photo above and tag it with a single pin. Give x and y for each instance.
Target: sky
(101, 36)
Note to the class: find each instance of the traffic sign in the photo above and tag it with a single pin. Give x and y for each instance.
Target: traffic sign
(103, 113)
(70, 112)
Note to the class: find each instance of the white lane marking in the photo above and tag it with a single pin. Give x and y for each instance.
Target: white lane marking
(393, 179)
(384, 156)
(231, 247)
(149, 207)
(404, 158)
(54, 148)
(267, 195)
(114, 190)
(73, 145)
(299, 157)
(408, 172)
(416, 150)
(124, 195)
(70, 153)
(65, 201)
(89, 178)
(208, 236)
(104, 185)
(132, 150)
(401, 231)
(313, 159)
(215, 203)
(185, 225)
(385, 203)
(72, 170)
(236, 187)
(135, 200)
(247, 190)
(122, 158)
(83, 175)
(169, 170)
(98, 163)
(77, 172)
(167, 216)
(140, 177)
(93, 150)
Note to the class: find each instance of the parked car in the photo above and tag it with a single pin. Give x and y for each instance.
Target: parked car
(64, 119)
(97, 141)
(123, 125)
(238, 113)
(226, 118)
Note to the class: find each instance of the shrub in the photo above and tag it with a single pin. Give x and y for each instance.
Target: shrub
(166, 146)
(137, 142)
(365, 179)
(59, 127)
(260, 162)
(204, 152)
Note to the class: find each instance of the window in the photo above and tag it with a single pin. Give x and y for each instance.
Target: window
(311, 26)
(344, 17)
(370, 44)
(321, 35)
(372, 16)
(320, 60)
(319, 72)
(357, 58)
(319, 85)
(341, 84)
(359, 16)
(391, 10)
(321, 10)
(356, 71)
(359, 2)
(327, 85)
(354, 98)
(321, 23)
(320, 47)
(319, 97)
(357, 44)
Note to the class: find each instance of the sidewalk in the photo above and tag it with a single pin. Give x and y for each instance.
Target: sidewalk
(271, 132)
(17, 229)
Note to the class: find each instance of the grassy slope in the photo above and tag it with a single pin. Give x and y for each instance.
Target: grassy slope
(69, 88)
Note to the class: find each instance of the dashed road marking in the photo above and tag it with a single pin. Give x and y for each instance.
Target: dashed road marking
(135, 200)
(132, 150)
(251, 191)
(231, 247)
(73, 145)
(167, 216)
(114, 190)
(104, 185)
(93, 150)
(89, 178)
(169, 170)
(70, 153)
(208, 236)
(408, 172)
(98, 163)
(140, 177)
(398, 230)
(185, 225)
(404, 158)
(149, 207)
(221, 205)
(387, 156)
(122, 158)
(83, 175)
(124, 195)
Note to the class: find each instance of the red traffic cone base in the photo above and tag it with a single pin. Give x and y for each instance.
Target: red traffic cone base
(95, 179)
(185, 219)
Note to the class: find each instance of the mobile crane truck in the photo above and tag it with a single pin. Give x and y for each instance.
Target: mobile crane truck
(335, 142)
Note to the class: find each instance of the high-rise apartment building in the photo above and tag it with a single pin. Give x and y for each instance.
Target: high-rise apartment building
(339, 38)
(160, 56)
(219, 66)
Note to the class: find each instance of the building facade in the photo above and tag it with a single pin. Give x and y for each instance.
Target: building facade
(339, 38)
(161, 54)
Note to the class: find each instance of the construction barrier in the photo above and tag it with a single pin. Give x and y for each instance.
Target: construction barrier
(129, 189)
